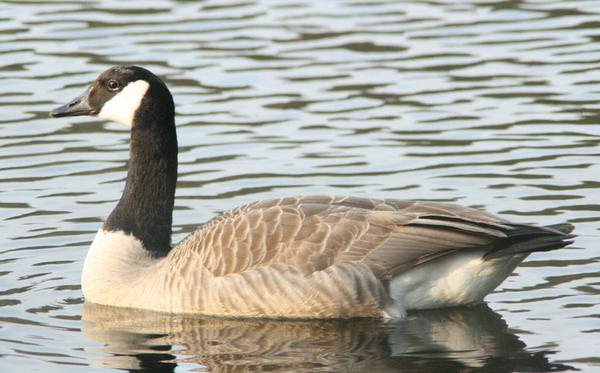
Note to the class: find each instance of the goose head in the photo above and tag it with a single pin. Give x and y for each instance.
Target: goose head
(119, 94)
(137, 98)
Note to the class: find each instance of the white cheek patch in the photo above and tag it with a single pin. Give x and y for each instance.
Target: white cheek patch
(122, 107)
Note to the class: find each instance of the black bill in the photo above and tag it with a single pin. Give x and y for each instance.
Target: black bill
(78, 106)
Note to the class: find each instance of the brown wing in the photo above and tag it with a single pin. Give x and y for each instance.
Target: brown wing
(312, 233)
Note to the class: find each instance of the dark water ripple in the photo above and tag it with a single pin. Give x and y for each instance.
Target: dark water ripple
(491, 104)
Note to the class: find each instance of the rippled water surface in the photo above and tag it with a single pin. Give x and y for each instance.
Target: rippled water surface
(490, 104)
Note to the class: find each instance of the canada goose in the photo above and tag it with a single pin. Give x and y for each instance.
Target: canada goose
(298, 257)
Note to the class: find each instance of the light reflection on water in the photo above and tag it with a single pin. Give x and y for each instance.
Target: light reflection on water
(489, 104)
(459, 338)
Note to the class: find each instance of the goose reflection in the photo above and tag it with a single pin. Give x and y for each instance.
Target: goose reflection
(446, 340)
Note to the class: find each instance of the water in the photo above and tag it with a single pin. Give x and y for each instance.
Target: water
(490, 104)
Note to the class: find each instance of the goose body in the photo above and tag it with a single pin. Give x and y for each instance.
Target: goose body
(295, 257)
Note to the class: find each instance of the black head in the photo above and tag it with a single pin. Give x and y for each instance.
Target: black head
(117, 94)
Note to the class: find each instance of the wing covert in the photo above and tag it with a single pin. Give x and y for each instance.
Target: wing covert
(313, 233)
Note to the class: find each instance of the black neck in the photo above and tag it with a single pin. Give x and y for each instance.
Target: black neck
(146, 206)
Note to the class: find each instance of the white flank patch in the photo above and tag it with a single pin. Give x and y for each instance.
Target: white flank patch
(457, 279)
(122, 107)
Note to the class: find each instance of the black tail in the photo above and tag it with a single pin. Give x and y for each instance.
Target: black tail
(565, 228)
(524, 239)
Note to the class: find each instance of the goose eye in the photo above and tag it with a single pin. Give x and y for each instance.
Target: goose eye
(112, 85)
